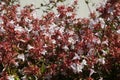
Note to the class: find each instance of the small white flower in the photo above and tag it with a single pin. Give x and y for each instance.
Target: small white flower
(69, 14)
(3, 12)
(95, 40)
(76, 67)
(89, 45)
(104, 52)
(24, 77)
(52, 28)
(96, 34)
(42, 28)
(47, 34)
(84, 62)
(98, 41)
(92, 72)
(76, 57)
(80, 51)
(58, 37)
(105, 42)
(71, 32)
(11, 77)
(101, 60)
(53, 25)
(19, 28)
(12, 22)
(1, 21)
(18, 19)
(16, 64)
(34, 14)
(71, 40)
(30, 47)
(54, 41)
(35, 33)
(45, 46)
(3, 3)
(18, 10)
(2, 29)
(21, 56)
(72, 47)
(28, 20)
(22, 40)
(61, 29)
(43, 52)
(102, 22)
(118, 31)
(65, 48)
(101, 78)
(90, 51)
(28, 29)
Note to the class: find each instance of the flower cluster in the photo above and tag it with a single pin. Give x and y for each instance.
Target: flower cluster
(59, 46)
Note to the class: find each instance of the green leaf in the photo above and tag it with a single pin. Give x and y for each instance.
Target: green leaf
(17, 78)
(43, 68)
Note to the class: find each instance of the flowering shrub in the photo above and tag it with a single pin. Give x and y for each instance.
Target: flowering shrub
(59, 46)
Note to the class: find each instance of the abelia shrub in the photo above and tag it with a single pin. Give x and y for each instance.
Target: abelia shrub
(59, 46)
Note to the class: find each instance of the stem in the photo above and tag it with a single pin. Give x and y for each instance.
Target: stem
(87, 3)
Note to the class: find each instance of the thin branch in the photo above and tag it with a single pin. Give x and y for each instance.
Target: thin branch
(87, 3)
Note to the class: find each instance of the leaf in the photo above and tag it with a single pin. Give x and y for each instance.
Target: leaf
(17, 78)
(43, 68)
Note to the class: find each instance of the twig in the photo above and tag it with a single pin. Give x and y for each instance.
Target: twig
(87, 3)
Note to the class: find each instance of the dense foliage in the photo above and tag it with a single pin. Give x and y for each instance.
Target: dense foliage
(59, 46)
